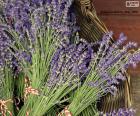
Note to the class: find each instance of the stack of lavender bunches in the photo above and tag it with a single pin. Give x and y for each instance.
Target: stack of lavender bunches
(46, 69)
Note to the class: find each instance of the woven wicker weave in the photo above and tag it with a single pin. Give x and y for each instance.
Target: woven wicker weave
(92, 29)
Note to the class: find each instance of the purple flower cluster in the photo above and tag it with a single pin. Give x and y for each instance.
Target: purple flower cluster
(112, 60)
(133, 59)
(71, 59)
(26, 16)
(17, 15)
(20, 56)
(63, 18)
(109, 62)
(5, 54)
(121, 112)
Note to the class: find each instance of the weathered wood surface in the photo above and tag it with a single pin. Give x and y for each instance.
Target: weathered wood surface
(119, 18)
(135, 84)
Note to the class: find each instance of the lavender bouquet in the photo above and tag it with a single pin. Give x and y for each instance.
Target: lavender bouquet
(47, 69)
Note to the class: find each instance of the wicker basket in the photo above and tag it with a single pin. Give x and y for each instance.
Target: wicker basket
(92, 29)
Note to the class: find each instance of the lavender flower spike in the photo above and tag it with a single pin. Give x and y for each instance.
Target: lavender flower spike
(120, 112)
(73, 58)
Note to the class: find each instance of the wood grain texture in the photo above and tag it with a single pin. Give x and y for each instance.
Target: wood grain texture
(129, 23)
(135, 84)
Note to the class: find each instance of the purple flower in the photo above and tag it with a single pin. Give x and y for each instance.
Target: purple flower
(133, 60)
(27, 18)
(38, 13)
(5, 54)
(111, 61)
(72, 58)
(22, 55)
(130, 45)
(121, 40)
(120, 112)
